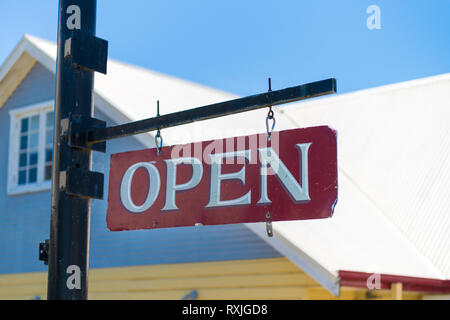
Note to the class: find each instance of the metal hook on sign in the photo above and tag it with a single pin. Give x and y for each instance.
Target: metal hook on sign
(269, 225)
(158, 137)
(158, 142)
(270, 116)
(269, 131)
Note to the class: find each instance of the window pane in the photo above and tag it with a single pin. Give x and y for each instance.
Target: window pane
(23, 142)
(34, 138)
(49, 138)
(22, 177)
(35, 122)
(48, 172)
(33, 158)
(32, 175)
(30, 148)
(48, 155)
(24, 125)
(49, 121)
(23, 160)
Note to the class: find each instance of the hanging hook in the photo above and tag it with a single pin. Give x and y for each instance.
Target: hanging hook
(158, 137)
(269, 225)
(270, 116)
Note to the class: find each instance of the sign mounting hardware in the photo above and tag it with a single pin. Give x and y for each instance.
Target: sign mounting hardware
(80, 54)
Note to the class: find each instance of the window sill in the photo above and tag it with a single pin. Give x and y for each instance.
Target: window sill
(32, 188)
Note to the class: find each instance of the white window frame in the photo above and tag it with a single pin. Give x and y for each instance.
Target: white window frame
(14, 144)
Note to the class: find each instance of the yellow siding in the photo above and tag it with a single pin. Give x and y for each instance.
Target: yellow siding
(275, 278)
(244, 279)
(349, 293)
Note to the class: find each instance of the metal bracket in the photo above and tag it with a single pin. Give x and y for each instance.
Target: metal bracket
(87, 51)
(273, 98)
(43, 251)
(76, 128)
(80, 183)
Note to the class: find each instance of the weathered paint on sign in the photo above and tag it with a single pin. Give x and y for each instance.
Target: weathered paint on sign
(235, 180)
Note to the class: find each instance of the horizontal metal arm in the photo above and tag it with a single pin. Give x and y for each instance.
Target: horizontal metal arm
(263, 100)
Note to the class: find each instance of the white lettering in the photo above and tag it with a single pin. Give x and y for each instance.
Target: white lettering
(199, 310)
(217, 177)
(153, 187)
(172, 186)
(269, 157)
(298, 190)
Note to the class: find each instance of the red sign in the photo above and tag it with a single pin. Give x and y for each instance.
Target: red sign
(292, 176)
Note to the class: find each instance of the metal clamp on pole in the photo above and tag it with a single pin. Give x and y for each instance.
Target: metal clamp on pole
(80, 183)
(75, 129)
(43, 251)
(87, 51)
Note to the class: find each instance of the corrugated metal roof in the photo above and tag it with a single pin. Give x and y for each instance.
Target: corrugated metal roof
(393, 211)
(393, 152)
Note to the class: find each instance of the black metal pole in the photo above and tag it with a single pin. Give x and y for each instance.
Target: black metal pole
(69, 228)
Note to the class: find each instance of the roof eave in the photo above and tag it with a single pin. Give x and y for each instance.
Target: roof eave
(361, 279)
(301, 259)
(27, 45)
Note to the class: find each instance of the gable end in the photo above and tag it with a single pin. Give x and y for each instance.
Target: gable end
(15, 76)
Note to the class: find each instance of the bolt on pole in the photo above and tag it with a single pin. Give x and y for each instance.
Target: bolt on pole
(68, 255)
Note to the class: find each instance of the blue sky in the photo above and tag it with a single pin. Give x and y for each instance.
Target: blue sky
(234, 45)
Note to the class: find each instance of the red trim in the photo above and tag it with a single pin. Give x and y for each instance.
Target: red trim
(359, 279)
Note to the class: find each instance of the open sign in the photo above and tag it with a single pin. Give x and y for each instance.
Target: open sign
(235, 180)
